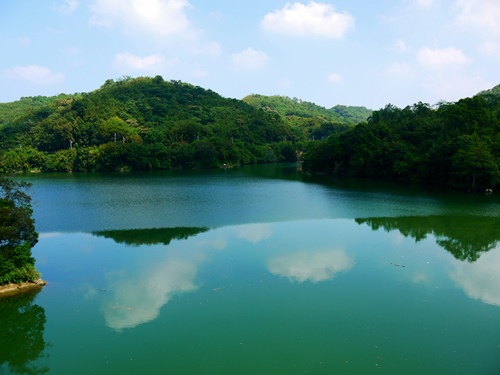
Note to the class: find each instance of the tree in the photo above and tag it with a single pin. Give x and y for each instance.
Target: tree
(17, 233)
(473, 165)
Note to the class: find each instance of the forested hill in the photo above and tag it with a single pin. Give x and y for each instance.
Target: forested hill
(495, 91)
(140, 124)
(24, 106)
(290, 108)
(318, 121)
(454, 144)
(149, 123)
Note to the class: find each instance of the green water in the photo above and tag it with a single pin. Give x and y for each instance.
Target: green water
(256, 271)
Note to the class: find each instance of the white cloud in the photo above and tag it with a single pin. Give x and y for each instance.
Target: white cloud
(420, 278)
(127, 61)
(490, 48)
(158, 17)
(250, 59)
(451, 85)
(254, 232)
(483, 14)
(307, 266)
(200, 73)
(423, 3)
(35, 74)
(313, 19)
(401, 46)
(67, 6)
(438, 58)
(334, 78)
(400, 70)
(480, 280)
(212, 49)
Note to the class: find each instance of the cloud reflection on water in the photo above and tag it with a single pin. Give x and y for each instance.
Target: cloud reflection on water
(135, 295)
(254, 232)
(480, 280)
(311, 266)
(137, 299)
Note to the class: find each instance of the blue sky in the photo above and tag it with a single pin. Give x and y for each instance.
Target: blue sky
(351, 52)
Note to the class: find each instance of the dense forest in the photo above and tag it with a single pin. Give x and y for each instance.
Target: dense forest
(146, 123)
(318, 122)
(453, 144)
(141, 124)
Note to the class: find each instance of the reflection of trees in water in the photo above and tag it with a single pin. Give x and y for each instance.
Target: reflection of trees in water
(137, 237)
(21, 334)
(466, 237)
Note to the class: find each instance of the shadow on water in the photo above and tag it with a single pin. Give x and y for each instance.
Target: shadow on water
(21, 334)
(465, 237)
(154, 236)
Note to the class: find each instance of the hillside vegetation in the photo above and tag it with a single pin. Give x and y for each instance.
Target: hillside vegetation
(454, 144)
(315, 121)
(149, 123)
(142, 124)
(495, 91)
(23, 107)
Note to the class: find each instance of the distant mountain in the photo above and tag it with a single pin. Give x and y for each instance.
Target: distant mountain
(311, 119)
(289, 107)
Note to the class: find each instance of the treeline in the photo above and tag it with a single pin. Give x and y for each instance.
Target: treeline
(149, 123)
(141, 124)
(314, 121)
(453, 144)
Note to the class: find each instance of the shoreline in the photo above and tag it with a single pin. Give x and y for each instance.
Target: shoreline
(12, 289)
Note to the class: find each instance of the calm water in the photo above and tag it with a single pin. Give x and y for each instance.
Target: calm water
(254, 271)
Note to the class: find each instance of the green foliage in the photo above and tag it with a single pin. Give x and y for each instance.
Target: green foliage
(308, 119)
(473, 164)
(149, 123)
(142, 124)
(495, 91)
(17, 233)
(25, 106)
(21, 159)
(455, 144)
(288, 107)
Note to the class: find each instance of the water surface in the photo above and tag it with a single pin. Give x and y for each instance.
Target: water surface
(254, 270)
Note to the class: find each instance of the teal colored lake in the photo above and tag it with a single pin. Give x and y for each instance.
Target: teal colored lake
(256, 270)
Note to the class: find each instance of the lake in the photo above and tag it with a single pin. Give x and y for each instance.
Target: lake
(256, 270)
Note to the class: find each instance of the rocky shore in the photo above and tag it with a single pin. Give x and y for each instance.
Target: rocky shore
(11, 289)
